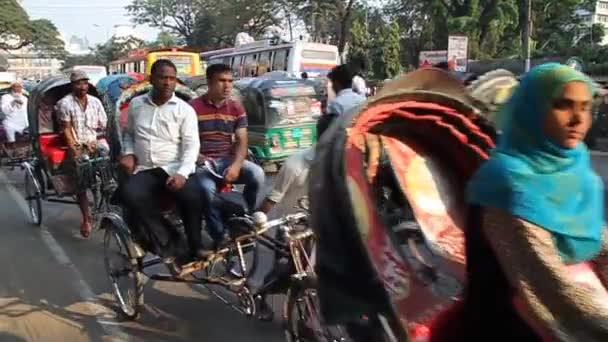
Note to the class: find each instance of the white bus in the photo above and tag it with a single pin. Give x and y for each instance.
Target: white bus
(95, 72)
(259, 57)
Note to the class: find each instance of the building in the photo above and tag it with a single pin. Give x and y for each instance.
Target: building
(28, 64)
(598, 16)
(601, 16)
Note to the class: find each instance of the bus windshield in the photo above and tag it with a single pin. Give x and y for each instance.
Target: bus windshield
(183, 63)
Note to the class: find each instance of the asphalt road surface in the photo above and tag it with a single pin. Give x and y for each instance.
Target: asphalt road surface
(55, 288)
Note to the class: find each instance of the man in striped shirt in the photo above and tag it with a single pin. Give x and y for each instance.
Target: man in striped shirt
(222, 124)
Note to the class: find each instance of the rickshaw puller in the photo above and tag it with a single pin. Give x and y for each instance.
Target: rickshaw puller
(222, 126)
(160, 148)
(82, 116)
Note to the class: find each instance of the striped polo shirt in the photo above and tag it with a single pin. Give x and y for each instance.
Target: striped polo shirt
(217, 124)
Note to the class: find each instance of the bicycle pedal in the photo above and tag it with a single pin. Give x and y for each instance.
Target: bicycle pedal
(193, 267)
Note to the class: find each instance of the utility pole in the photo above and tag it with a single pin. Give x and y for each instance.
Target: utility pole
(527, 34)
(162, 17)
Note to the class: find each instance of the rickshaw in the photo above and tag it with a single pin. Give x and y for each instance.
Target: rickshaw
(197, 83)
(227, 273)
(282, 115)
(14, 157)
(45, 178)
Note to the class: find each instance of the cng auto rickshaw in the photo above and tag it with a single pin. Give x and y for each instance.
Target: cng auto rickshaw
(282, 114)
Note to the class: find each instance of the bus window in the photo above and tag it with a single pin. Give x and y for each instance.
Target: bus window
(319, 55)
(250, 64)
(236, 65)
(280, 60)
(264, 63)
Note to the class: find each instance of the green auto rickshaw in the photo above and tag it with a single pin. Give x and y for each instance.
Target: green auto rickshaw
(282, 115)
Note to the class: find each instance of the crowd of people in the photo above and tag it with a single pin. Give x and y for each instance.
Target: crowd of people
(536, 206)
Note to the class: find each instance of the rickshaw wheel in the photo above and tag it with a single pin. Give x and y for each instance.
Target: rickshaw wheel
(303, 322)
(33, 196)
(124, 272)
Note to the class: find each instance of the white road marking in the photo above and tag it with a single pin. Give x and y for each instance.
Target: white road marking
(111, 328)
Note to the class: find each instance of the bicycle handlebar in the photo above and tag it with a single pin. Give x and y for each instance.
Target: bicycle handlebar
(284, 220)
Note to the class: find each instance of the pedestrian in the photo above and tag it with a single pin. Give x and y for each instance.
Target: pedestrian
(304, 75)
(359, 84)
(14, 108)
(341, 79)
(536, 207)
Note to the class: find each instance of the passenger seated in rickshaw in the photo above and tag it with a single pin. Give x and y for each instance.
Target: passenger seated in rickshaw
(14, 107)
(221, 121)
(82, 116)
(160, 148)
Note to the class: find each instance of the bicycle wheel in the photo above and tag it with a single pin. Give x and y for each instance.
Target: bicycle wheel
(303, 321)
(124, 272)
(33, 196)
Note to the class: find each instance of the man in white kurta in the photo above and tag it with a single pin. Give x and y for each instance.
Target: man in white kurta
(14, 107)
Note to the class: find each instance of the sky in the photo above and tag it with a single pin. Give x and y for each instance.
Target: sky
(93, 19)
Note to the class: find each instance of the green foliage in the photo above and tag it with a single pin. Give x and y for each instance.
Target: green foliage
(116, 48)
(388, 39)
(207, 23)
(361, 45)
(18, 31)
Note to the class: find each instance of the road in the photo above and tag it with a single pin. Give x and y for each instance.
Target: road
(54, 288)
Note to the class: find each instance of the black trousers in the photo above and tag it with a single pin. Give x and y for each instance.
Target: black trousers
(141, 195)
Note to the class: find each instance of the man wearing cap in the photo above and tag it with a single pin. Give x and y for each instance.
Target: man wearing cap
(82, 117)
(14, 107)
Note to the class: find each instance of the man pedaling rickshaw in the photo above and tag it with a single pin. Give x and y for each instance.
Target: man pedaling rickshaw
(160, 148)
(82, 116)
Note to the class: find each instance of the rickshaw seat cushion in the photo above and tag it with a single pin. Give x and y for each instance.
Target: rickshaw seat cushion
(231, 203)
(53, 148)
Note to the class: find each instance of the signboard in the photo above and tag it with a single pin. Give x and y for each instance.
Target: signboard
(575, 63)
(458, 47)
(427, 59)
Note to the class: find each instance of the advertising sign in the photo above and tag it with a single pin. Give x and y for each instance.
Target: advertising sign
(427, 59)
(458, 53)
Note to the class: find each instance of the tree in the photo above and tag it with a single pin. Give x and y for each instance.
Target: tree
(388, 62)
(327, 20)
(18, 31)
(360, 45)
(164, 39)
(177, 16)
(206, 23)
(116, 48)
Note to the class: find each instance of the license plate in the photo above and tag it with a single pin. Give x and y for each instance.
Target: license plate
(296, 133)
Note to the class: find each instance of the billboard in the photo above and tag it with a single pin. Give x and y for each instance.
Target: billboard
(458, 47)
(429, 58)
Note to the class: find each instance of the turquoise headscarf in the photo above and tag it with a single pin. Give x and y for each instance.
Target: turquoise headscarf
(533, 178)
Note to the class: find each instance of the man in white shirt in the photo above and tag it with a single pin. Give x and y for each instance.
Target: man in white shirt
(341, 79)
(14, 107)
(359, 85)
(160, 148)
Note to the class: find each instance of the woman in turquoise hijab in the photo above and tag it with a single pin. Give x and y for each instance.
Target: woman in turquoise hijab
(538, 207)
